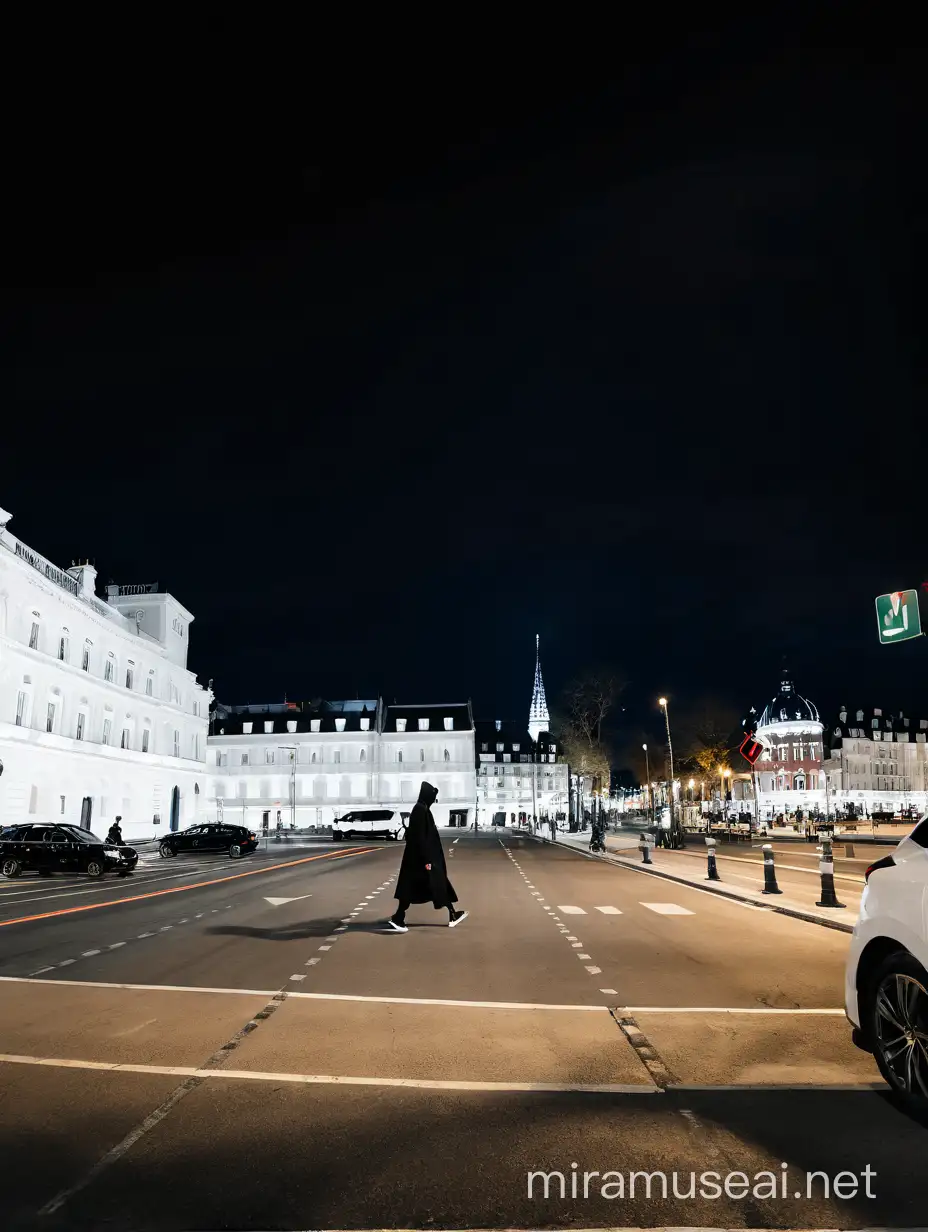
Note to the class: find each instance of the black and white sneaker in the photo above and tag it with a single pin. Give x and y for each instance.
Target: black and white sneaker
(396, 927)
(458, 918)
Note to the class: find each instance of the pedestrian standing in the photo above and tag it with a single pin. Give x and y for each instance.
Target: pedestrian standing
(423, 874)
(115, 833)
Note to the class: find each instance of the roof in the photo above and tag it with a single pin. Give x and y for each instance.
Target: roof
(788, 706)
(229, 720)
(436, 712)
(506, 732)
(861, 724)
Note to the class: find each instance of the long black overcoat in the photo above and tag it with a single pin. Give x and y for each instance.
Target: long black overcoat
(416, 883)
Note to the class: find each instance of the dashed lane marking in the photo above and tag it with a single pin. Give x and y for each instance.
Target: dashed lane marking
(568, 910)
(609, 910)
(668, 908)
(198, 885)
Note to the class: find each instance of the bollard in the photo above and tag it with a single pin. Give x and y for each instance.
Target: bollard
(713, 870)
(849, 850)
(827, 869)
(770, 872)
(645, 848)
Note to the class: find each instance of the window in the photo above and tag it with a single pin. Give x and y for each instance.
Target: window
(314, 724)
(129, 676)
(499, 748)
(244, 759)
(146, 736)
(312, 760)
(20, 709)
(246, 729)
(515, 748)
(85, 657)
(149, 684)
(109, 668)
(338, 757)
(422, 757)
(196, 746)
(423, 725)
(61, 798)
(268, 726)
(447, 756)
(484, 748)
(449, 723)
(339, 725)
(291, 726)
(64, 646)
(107, 727)
(176, 743)
(34, 636)
(81, 720)
(50, 717)
(797, 752)
(400, 725)
(269, 757)
(363, 756)
(365, 725)
(399, 755)
(124, 738)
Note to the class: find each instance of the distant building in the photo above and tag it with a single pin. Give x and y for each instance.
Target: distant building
(877, 762)
(516, 774)
(315, 761)
(789, 770)
(538, 718)
(99, 714)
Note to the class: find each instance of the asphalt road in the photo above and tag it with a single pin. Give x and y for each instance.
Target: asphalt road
(252, 1049)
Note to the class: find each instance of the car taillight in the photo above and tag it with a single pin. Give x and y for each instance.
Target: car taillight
(886, 862)
(252, 836)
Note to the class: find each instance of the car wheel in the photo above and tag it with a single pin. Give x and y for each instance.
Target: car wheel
(235, 851)
(166, 850)
(96, 868)
(897, 1006)
(337, 836)
(11, 867)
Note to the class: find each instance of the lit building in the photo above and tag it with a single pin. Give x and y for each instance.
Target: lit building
(538, 718)
(315, 761)
(516, 774)
(877, 763)
(789, 770)
(99, 714)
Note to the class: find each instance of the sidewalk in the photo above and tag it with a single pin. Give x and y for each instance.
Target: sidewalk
(690, 867)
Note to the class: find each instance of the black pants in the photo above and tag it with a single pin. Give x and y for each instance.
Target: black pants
(400, 913)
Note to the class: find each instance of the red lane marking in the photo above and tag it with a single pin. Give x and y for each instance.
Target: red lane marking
(197, 885)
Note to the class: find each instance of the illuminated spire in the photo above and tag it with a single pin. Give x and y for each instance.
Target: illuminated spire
(538, 718)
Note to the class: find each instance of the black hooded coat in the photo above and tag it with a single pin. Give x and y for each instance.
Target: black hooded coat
(416, 883)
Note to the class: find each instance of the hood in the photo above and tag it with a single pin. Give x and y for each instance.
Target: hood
(428, 794)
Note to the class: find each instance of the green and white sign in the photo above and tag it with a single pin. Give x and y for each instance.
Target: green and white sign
(897, 616)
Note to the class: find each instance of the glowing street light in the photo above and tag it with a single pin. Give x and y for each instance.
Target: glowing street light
(647, 771)
(662, 702)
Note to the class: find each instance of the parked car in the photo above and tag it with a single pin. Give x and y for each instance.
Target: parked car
(212, 836)
(886, 981)
(46, 848)
(370, 823)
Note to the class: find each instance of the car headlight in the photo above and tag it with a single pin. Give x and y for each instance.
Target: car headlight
(112, 855)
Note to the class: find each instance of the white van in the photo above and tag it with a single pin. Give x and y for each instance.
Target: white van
(370, 823)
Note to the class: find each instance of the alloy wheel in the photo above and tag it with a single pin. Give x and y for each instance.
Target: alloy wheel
(901, 1029)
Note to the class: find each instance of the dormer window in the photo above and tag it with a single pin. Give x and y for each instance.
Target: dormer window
(246, 729)
(268, 726)
(365, 725)
(484, 748)
(449, 723)
(400, 725)
(499, 724)
(339, 725)
(423, 725)
(499, 748)
(291, 726)
(314, 724)
(515, 748)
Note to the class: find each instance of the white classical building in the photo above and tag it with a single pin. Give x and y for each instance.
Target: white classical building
(315, 761)
(789, 770)
(877, 763)
(99, 714)
(517, 775)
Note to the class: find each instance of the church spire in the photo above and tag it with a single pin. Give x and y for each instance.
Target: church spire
(538, 718)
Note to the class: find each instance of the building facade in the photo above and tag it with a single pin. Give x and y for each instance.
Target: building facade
(99, 714)
(789, 770)
(315, 761)
(877, 763)
(517, 775)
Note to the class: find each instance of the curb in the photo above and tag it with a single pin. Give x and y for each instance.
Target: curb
(619, 862)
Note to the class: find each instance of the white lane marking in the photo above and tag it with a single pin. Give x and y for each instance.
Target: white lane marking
(342, 928)
(89, 953)
(609, 992)
(568, 910)
(571, 937)
(431, 1084)
(576, 945)
(165, 928)
(333, 938)
(311, 962)
(249, 992)
(668, 908)
(325, 947)
(198, 916)
(117, 944)
(298, 977)
(141, 936)
(185, 920)
(66, 962)
(42, 970)
(595, 970)
(609, 910)
(279, 902)
(346, 919)
(586, 956)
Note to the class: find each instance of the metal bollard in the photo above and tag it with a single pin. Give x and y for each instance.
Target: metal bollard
(770, 872)
(645, 848)
(713, 870)
(827, 869)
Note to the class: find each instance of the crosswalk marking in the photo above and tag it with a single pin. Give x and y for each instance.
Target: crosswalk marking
(609, 910)
(667, 908)
(571, 910)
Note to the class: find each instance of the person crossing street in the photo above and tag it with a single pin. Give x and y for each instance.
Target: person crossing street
(423, 873)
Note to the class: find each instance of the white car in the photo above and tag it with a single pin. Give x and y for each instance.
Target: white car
(886, 981)
(370, 823)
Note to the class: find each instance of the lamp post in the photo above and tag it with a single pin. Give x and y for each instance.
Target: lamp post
(726, 779)
(675, 830)
(647, 770)
(291, 749)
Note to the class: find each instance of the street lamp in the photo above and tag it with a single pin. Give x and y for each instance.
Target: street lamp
(726, 777)
(662, 702)
(647, 770)
(291, 749)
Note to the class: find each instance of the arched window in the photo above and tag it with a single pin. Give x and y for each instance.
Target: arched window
(363, 756)
(399, 755)
(422, 757)
(24, 703)
(447, 755)
(64, 646)
(34, 631)
(109, 667)
(312, 760)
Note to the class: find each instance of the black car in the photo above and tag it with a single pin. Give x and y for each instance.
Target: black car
(46, 848)
(212, 836)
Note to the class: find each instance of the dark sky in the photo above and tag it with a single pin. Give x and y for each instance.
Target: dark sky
(384, 373)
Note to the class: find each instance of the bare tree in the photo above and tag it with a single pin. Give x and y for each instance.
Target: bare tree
(588, 701)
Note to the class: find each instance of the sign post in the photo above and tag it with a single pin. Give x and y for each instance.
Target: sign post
(897, 616)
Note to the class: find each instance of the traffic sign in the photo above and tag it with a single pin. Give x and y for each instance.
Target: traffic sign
(897, 616)
(750, 749)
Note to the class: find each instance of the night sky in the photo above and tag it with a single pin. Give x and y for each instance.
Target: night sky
(385, 373)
